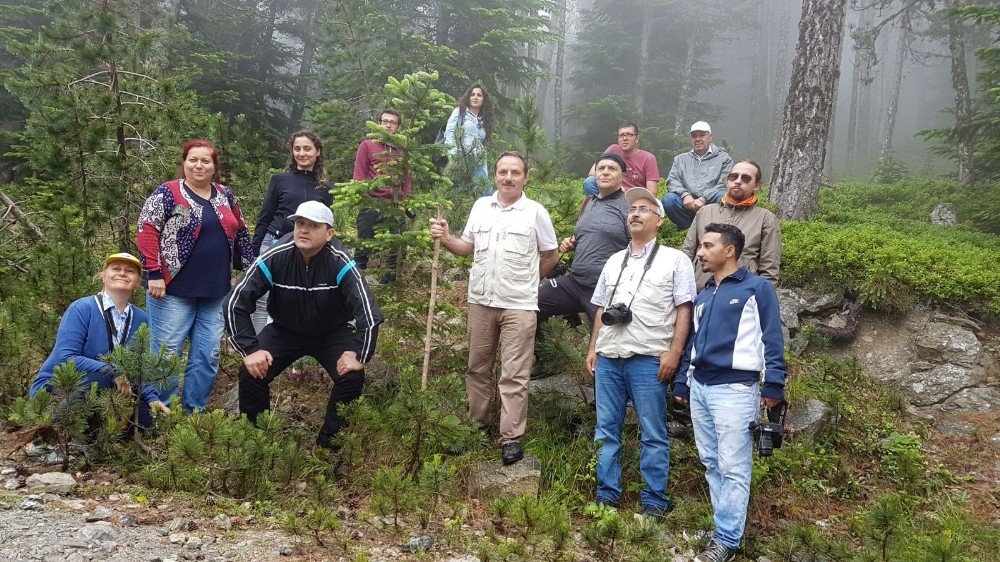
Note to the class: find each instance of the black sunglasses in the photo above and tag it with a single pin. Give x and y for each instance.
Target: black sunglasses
(746, 178)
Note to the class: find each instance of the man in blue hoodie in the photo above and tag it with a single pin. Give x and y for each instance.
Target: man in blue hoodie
(736, 339)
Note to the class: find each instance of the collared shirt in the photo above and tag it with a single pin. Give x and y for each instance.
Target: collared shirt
(711, 150)
(118, 317)
(507, 242)
(653, 300)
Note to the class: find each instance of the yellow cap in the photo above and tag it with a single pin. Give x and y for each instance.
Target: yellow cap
(125, 257)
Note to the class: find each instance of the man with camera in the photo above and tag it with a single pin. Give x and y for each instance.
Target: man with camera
(644, 296)
(720, 378)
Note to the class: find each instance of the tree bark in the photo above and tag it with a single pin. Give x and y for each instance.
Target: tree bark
(902, 46)
(299, 98)
(780, 77)
(963, 103)
(684, 95)
(33, 231)
(798, 164)
(557, 88)
(642, 80)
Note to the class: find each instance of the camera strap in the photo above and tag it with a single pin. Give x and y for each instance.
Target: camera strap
(645, 268)
(114, 338)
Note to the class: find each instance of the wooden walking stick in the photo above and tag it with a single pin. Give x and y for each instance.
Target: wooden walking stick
(435, 265)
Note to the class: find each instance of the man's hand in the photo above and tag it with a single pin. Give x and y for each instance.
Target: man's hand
(770, 402)
(439, 229)
(258, 362)
(668, 365)
(156, 408)
(349, 362)
(123, 386)
(591, 361)
(157, 288)
(698, 204)
(681, 400)
(689, 202)
(568, 244)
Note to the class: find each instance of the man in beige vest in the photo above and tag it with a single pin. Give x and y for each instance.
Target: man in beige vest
(514, 244)
(644, 297)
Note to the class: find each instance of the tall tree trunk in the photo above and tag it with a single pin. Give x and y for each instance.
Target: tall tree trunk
(642, 80)
(963, 103)
(759, 86)
(902, 46)
(557, 89)
(684, 95)
(265, 64)
(300, 97)
(780, 79)
(798, 164)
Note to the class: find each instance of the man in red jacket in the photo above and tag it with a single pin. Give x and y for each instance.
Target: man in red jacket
(370, 155)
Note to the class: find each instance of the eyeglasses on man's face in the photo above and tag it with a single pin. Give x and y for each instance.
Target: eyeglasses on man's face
(387, 122)
(745, 178)
(626, 135)
(641, 209)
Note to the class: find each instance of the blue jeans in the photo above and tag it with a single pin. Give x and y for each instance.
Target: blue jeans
(720, 415)
(590, 186)
(617, 381)
(260, 318)
(673, 205)
(172, 320)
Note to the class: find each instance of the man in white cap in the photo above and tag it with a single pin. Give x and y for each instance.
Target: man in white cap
(697, 177)
(316, 290)
(644, 296)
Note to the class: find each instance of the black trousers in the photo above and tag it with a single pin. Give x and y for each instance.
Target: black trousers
(563, 295)
(285, 347)
(368, 219)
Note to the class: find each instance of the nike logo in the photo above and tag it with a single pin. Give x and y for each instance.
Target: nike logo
(734, 301)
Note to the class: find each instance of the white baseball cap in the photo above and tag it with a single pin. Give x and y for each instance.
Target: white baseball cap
(642, 193)
(313, 211)
(701, 126)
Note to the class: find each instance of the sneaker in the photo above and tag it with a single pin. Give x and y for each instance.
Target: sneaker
(716, 552)
(511, 453)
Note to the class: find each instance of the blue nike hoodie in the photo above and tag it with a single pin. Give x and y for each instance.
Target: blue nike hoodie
(737, 335)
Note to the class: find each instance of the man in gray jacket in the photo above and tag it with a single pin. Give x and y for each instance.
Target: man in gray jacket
(697, 177)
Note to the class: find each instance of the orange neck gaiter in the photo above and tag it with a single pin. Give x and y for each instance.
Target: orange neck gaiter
(748, 202)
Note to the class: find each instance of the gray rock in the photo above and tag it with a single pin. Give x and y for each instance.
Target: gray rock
(805, 421)
(73, 543)
(223, 522)
(790, 304)
(942, 342)
(177, 524)
(8, 471)
(127, 520)
(418, 544)
(815, 303)
(12, 484)
(466, 558)
(49, 498)
(492, 478)
(969, 400)
(29, 504)
(54, 482)
(956, 427)
(231, 402)
(284, 550)
(99, 532)
(566, 386)
(100, 513)
(177, 538)
(934, 386)
(944, 215)
(193, 543)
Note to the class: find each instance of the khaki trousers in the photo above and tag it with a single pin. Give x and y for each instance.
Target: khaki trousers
(514, 331)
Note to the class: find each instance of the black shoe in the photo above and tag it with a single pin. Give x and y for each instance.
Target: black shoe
(387, 278)
(679, 430)
(511, 453)
(716, 552)
(540, 372)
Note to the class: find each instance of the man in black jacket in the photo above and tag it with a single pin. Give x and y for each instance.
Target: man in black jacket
(315, 292)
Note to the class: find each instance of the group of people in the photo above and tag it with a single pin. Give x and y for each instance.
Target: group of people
(650, 324)
(302, 293)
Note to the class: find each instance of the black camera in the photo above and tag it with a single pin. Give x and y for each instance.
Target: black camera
(616, 314)
(767, 436)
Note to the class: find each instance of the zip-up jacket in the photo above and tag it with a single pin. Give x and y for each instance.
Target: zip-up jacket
(701, 177)
(762, 251)
(285, 193)
(311, 300)
(736, 337)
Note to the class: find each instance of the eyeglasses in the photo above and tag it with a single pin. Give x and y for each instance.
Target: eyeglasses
(626, 135)
(387, 122)
(745, 178)
(642, 210)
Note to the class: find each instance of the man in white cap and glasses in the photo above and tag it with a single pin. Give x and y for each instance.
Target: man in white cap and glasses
(644, 296)
(697, 177)
(316, 290)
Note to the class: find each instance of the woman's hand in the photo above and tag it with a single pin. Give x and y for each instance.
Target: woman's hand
(156, 408)
(123, 386)
(157, 288)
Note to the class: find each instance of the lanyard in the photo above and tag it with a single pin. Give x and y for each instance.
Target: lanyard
(645, 268)
(114, 338)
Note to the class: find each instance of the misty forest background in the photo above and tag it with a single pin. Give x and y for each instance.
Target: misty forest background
(865, 115)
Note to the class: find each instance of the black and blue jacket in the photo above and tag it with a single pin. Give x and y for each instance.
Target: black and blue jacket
(736, 337)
